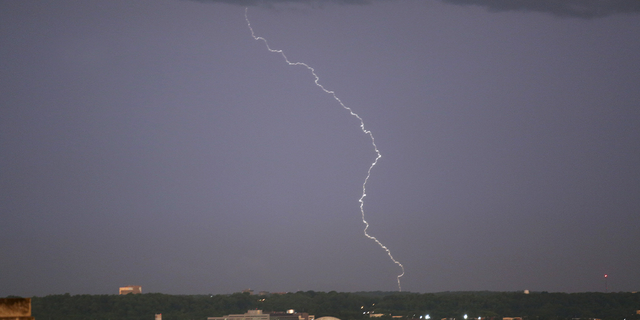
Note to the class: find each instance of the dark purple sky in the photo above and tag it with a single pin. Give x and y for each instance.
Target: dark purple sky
(158, 144)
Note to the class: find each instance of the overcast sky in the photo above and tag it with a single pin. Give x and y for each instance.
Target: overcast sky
(156, 143)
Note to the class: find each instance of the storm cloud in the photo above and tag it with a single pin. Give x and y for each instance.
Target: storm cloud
(272, 2)
(565, 8)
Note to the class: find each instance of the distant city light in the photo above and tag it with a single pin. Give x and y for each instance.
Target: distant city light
(427, 317)
(465, 315)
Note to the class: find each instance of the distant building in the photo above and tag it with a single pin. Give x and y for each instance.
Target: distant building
(290, 315)
(258, 315)
(15, 309)
(250, 315)
(131, 289)
(249, 291)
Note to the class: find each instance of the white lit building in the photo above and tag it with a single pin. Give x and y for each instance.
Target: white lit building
(250, 315)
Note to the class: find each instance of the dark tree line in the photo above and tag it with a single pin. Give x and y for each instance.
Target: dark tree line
(344, 305)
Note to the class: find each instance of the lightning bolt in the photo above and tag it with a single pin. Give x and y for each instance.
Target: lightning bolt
(367, 132)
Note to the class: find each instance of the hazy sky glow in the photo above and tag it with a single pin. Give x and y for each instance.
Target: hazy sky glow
(158, 144)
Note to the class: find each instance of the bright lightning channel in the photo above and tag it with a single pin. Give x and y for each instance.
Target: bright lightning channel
(368, 132)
